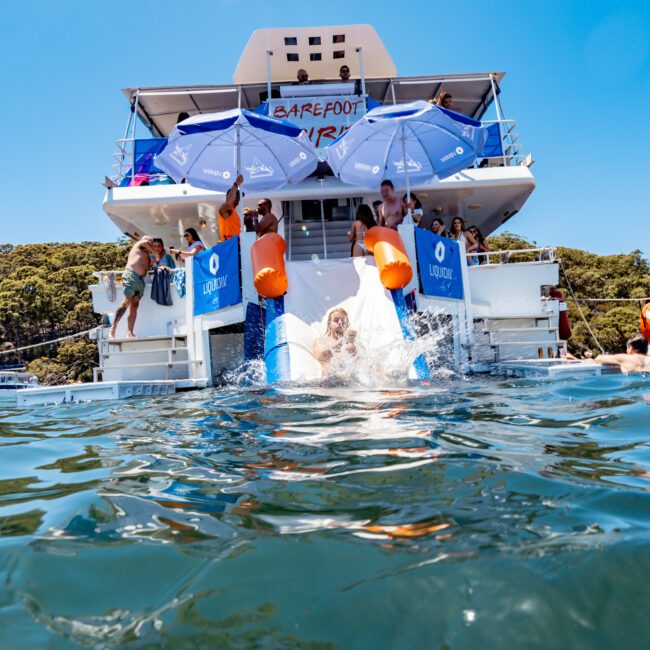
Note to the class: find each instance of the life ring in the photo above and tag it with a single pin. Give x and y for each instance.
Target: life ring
(564, 324)
(644, 321)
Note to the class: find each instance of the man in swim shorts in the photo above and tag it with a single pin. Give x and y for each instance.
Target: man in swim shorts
(137, 266)
(635, 359)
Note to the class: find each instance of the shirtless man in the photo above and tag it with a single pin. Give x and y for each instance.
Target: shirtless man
(390, 211)
(338, 338)
(635, 359)
(137, 266)
(267, 221)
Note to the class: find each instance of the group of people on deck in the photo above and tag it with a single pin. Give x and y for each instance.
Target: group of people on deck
(391, 212)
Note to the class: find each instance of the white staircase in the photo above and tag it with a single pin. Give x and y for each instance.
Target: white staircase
(508, 339)
(143, 359)
(306, 239)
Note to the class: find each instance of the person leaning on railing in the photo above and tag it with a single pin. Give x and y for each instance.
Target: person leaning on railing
(194, 245)
(482, 244)
(460, 233)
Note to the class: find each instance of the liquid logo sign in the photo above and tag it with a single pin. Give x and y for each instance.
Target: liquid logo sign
(216, 277)
(300, 158)
(215, 172)
(452, 154)
(437, 270)
(439, 261)
(211, 286)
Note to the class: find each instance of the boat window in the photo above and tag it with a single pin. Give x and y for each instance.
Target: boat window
(314, 40)
(290, 40)
(292, 56)
(338, 54)
(315, 56)
(338, 38)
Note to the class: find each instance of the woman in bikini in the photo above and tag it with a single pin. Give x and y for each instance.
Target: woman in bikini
(365, 220)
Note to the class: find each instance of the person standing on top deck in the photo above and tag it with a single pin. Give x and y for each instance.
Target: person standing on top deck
(344, 75)
(302, 78)
(229, 223)
(390, 211)
(267, 221)
(137, 266)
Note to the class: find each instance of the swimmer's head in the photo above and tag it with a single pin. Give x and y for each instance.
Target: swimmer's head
(637, 345)
(337, 323)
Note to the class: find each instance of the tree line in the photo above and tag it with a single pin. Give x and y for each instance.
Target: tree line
(44, 295)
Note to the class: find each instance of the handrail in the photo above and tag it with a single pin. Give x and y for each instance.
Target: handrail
(546, 254)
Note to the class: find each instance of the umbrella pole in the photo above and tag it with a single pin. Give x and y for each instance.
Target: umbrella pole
(406, 175)
(238, 149)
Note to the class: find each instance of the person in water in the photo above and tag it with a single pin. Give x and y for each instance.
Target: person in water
(635, 359)
(390, 210)
(137, 266)
(339, 339)
(363, 223)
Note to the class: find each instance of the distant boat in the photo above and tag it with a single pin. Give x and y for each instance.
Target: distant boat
(11, 380)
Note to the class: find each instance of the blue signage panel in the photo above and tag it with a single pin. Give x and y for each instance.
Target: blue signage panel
(439, 262)
(216, 277)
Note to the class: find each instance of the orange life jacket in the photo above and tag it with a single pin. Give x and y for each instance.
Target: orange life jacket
(229, 226)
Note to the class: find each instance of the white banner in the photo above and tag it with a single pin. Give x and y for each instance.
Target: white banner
(324, 118)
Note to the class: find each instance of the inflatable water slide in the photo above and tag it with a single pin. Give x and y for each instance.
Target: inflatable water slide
(300, 296)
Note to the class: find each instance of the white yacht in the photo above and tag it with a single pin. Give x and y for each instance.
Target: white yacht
(15, 379)
(502, 319)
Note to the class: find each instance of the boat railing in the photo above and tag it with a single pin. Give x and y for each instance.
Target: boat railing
(546, 254)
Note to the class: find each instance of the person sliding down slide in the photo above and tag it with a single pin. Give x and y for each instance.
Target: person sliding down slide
(338, 345)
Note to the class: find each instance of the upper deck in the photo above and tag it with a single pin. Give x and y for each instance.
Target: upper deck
(487, 194)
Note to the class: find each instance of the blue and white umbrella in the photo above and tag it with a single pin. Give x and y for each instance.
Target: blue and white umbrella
(408, 144)
(212, 149)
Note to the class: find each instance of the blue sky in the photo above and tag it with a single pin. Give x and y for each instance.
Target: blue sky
(578, 83)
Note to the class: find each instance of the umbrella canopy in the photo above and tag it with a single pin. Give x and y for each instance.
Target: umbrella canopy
(211, 150)
(410, 143)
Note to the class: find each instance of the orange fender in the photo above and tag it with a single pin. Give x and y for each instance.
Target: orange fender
(644, 322)
(386, 245)
(269, 272)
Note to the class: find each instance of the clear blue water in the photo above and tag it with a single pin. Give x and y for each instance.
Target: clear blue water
(469, 513)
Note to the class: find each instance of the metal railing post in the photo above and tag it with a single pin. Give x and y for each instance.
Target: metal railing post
(497, 106)
(135, 120)
(322, 222)
(269, 54)
(362, 71)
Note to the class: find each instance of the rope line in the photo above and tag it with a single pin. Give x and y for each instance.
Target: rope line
(38, 345)
(605, 299)
(568, 284)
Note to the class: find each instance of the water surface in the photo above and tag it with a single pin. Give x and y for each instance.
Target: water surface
(464, 513)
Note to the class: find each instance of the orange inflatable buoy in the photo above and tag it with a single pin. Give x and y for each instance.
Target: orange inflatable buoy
(386, 245)
(644, 321)
(269, 272)
(564, 324)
